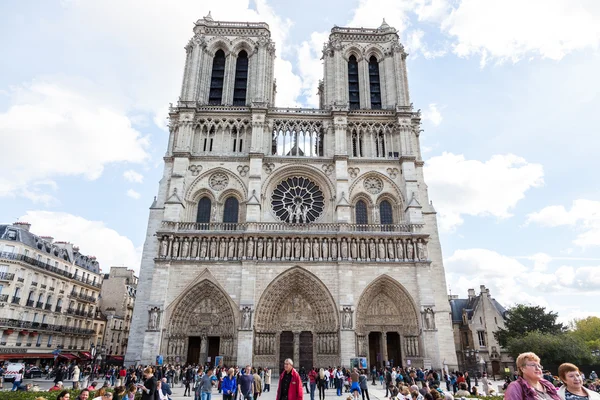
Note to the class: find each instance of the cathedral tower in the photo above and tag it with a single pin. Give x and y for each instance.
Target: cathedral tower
(301, 233)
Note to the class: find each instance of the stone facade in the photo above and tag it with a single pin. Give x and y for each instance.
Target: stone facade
(118, 293)
(302, 233)
(475, 319)
(49, 294)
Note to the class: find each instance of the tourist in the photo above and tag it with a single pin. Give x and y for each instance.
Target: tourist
(355, 387)
(290, 384)
(267, 380)
(131, 391)
(161, 394)
(312, 380)
(149, 386)
(462, 390)
(257, 384)
(229, 385)
(18, 379)
(485, 383)
(573, 388)
(64, 395)
(57, 387)
(530, 385)
(206, 385)
(321, 384)
(364, 385)
(165, 388)
(83, 395)
(100, 393)
(245, 384)
(120, 393)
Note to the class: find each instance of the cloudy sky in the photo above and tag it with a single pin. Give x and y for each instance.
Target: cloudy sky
(508, 88)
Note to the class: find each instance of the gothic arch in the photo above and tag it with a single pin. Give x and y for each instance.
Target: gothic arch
(218, 43)
(369, 203)
(197, 185)
(374, 50)
(385, 305)
(296, 284)
(240, 44)
(397, 205)
(353, 49)
(241, 203)
(388, 186)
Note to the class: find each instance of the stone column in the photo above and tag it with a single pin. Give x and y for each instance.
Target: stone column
(384, 353)
(296, 349)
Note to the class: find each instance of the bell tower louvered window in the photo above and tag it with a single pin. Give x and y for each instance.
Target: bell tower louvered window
(241, 79)
(231, 210)
(217, 78)
(374, 85)
(361, 213)
(203, 216)
(353, 89)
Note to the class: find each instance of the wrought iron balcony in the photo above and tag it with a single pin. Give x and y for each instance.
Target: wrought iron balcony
(3, 298)
(39, 304)
(58, 309)
(34, 283)
(42, 286)
(80, 296)
(48, 307)
(29, 303)
(5, 276)
(16, 300)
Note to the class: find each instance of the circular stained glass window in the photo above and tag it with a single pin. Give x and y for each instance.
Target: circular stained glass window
(297, 200)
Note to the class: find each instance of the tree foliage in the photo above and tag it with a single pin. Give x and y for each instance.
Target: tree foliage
(588, 330)
(523, 319)
(552, 348)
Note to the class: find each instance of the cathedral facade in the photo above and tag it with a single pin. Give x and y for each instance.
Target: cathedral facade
(300, 233)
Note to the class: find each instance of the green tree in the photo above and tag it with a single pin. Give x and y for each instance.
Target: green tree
(588, 330)
(552, 348)
(522, 319)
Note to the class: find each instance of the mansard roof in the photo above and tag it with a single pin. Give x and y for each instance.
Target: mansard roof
(19, 232)
(457, 307)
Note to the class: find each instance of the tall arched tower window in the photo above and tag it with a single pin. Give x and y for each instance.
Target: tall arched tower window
(231, 210)
(361, 213)
(385, 213)
(241, 79)
(353, 89)
(217, 78)
(203, 216)
(374, 86)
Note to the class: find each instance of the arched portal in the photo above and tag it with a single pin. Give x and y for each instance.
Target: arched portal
(201, 325)
(297, 318)
(387, 324)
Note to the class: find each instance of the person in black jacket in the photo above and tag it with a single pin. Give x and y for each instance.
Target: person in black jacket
(149, 386)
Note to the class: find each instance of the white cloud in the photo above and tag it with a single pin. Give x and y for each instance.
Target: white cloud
(470, 187)
(546, 28)
(62, 129)
(94, 238)
(433, 115)
(132, 176)
(584, 215)
(133, 194)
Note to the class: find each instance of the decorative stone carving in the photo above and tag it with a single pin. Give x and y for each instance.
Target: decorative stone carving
(392, 172)
(246, 318)
(268, 168)
(373, 184)
(346, 316)
(353, 172)
(328, 169)
(164, 247)
(218, 181)
(409, 250)
(195, 169)
(243, 170)
(297, 200)
(154, 319)
(428, 319)
(421, 250)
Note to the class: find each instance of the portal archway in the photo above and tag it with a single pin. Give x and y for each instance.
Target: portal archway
(201, 325)
(296, 317)
(387, 324)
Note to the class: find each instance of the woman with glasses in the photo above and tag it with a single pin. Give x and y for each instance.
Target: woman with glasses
(573, 388)
(530, 385)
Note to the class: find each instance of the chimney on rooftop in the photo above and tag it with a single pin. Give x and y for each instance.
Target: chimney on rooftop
(48, 239)
(471, 294)
(23, 225)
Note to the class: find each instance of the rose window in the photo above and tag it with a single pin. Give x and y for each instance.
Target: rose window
(297, 200)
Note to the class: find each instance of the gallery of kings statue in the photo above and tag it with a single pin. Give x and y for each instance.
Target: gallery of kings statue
(300, 233)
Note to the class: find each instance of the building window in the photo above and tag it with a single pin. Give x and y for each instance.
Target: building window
(215, 96)
(203, 216)
(481, 337)
(360, 210)
(380, 145)
(353, 88)
(241, 79)
(374, 85)
(385, 213)
(357, 144)
(230, 213)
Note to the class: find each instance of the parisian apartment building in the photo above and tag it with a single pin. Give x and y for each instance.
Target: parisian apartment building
(49, 297)
(117, 300)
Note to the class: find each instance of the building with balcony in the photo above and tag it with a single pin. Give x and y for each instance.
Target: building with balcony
(301, 233)
(474, 320)
(48, 296)
(118, 298)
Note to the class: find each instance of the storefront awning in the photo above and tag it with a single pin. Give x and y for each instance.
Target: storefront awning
(68, 356)
(19, 356)
(116, 358)
(86, 354)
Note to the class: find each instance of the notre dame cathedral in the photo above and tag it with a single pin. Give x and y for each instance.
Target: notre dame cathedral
(300, 233)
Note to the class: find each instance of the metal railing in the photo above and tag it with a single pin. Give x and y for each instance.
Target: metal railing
(5, 276)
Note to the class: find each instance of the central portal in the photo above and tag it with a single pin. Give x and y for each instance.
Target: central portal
(286, 347)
